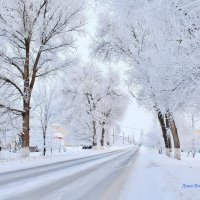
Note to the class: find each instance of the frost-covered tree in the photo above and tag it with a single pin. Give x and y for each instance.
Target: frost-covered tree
(113, 103)
(47, 110)
(156, 39)
(94, 102)
(154, 140)
(192, 146)
(82, 94)
(36, 38)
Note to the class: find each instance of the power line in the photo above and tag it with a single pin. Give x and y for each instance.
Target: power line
(132, 128)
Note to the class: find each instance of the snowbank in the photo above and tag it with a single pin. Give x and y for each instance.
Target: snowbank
(156, 177)
(36, 159)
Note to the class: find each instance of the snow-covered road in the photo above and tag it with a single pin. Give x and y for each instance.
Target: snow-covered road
(97, 177)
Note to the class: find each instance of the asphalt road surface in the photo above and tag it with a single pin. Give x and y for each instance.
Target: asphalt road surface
(98, 177)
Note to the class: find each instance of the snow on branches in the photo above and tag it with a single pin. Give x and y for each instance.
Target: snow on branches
(37, 38)
(95, 102)
(159, 41)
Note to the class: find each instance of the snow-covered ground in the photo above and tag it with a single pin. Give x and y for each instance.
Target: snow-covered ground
(36, 159)
(111, 174)
(85, 178)
(157, 177)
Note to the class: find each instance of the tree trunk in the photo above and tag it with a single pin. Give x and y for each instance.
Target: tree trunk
(26, 102)
(44, 148)
(103, 137)
(26, 128)
(169, 141)
(94, 138)
(177, 150)
(164, 131)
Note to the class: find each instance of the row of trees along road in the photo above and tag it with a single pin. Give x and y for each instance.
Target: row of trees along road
(95, 102)
(159, 41)
(38, 40)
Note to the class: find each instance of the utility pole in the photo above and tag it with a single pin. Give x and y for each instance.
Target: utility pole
(123, 137)
(141, 137)
(193, 129)
(113, 135)
(5, 139)
(133, 139)
(128, 139)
